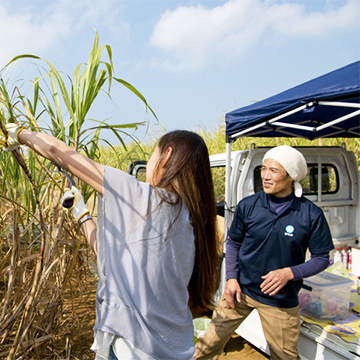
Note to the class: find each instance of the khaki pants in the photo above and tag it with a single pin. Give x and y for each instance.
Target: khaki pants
(281, 328)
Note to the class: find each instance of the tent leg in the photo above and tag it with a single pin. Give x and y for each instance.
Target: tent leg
(227, 207)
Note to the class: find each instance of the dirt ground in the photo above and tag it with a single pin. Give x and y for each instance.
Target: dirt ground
(238, 348)
(80, 337)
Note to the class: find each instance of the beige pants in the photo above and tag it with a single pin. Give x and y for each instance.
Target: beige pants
(281, 328)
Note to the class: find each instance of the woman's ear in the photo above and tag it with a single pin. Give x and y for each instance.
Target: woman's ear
(167, 156)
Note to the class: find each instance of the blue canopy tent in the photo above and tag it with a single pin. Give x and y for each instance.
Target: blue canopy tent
(327, 106)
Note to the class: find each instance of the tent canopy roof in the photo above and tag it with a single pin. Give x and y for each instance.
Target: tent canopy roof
(327, 106)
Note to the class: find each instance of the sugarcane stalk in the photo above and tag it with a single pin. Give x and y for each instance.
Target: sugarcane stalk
(29, 308)
(15, 254)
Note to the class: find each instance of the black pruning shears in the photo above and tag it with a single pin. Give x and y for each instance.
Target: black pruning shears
(68, 203)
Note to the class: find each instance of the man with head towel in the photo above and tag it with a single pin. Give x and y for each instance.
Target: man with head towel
(265, 258)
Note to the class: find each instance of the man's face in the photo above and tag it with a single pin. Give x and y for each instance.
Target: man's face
(275, 179)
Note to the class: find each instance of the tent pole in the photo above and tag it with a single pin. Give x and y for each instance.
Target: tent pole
(227, 209)
(336, 121)
(339, 104)
(227, 177)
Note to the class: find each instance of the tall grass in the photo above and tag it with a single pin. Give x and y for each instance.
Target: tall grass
(42, 252)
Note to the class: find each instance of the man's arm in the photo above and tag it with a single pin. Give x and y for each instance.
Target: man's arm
(232, 259)
(316, 264)
(232, 289)
(277, 279)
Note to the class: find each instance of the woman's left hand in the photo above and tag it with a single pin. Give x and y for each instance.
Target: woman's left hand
(78, 208)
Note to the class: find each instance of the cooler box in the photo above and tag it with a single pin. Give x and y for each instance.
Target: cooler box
(325, 296)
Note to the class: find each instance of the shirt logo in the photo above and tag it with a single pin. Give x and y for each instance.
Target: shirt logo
(289, 230)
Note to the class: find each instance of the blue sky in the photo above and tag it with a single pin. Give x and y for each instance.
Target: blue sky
(192, 60)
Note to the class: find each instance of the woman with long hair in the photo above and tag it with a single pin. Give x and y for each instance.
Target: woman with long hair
(155, 243)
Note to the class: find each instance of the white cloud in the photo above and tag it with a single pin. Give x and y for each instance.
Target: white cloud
(190, 36)
(43, 27)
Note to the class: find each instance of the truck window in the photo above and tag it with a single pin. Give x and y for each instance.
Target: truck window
(330, 180)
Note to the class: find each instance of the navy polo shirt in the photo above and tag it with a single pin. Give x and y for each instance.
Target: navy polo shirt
(270, 241)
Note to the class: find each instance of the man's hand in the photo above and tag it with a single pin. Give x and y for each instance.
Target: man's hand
(11, 142)
(276, 280)
(232, 290)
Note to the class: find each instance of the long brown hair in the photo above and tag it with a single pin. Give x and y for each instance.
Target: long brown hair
(187, 173)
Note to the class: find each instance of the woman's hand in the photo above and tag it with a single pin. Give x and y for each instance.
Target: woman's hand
(73, 202)
(11, 142)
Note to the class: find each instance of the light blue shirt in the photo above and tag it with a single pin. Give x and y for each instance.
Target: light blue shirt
(146, 255)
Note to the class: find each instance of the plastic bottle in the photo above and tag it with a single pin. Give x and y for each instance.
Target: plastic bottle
(344, 257)
(337, 255)
(349, 256)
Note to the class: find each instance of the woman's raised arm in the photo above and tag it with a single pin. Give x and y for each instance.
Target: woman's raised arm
(61, 154)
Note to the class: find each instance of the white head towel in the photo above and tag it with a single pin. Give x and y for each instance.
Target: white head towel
(292, 161)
